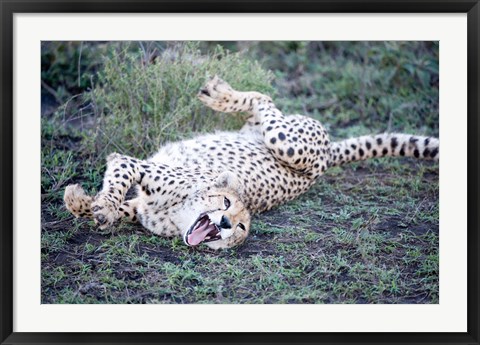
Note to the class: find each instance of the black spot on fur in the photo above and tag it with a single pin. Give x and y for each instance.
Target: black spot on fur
(394, 143)
(290, 152)
(379, 141)
(402, 150)
(281, 136)
(368, 145)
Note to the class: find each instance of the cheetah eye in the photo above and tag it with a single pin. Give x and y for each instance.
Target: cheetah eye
(241, 226)
(226, 202)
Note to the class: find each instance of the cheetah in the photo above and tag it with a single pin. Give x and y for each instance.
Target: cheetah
(207, 188)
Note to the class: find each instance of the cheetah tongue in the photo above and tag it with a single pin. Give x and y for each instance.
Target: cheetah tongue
(201, 230)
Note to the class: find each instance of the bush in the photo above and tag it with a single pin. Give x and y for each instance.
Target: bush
(68, 67)
(139, 103)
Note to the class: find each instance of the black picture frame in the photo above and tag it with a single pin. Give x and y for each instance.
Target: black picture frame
(9, 7)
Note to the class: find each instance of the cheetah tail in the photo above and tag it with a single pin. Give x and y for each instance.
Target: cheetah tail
(383, 145)
(77, 202)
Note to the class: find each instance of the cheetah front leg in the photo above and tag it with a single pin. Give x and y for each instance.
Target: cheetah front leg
(297, 141)
(79, 204)
(121, 173)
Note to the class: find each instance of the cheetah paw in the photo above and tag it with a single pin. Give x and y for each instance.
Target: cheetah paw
(217, 94)
(77, 202)
(104, 212)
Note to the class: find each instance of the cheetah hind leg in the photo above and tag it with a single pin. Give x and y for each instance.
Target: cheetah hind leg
(220, 96)
(80, 204)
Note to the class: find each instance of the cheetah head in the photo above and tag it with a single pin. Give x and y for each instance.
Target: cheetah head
(216, 215)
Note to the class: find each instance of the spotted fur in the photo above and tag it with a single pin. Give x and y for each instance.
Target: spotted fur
(272, 159)
(383, 145)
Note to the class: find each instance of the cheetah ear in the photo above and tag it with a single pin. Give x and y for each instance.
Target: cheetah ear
(228, 180)
(217, 79)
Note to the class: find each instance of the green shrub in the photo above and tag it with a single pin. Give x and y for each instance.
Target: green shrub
(68, 67)
(139, 104)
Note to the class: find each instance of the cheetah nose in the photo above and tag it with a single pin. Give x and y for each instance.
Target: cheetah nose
(204, 92)
(225, 223)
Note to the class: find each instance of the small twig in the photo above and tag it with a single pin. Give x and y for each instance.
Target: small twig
(110, 141)
(363, 86)
(59, 221)
(390, 120)
(417, 209)
(66, 106)
(79, 62)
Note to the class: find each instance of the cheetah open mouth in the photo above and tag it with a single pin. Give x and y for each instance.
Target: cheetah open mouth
(203, 230)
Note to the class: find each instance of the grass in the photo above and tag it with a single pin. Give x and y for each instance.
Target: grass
(365, 233)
